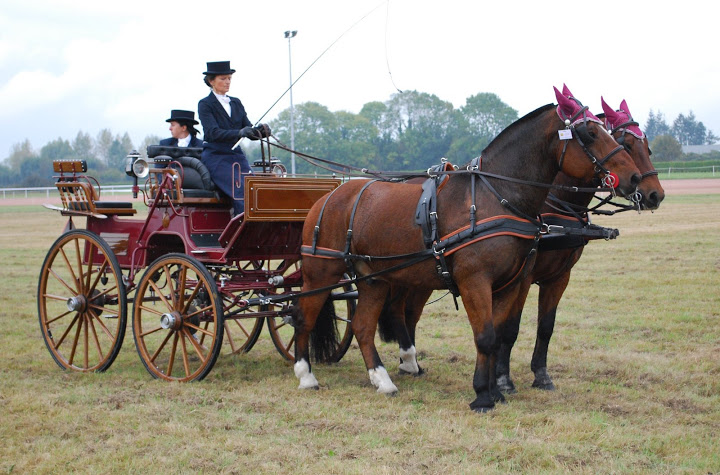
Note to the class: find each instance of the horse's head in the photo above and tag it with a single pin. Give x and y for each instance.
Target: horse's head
(586, 150)
(628, 134)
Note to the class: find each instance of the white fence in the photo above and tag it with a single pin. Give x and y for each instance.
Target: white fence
(678, 170)
(51, 191)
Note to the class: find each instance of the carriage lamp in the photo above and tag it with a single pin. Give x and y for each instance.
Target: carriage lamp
(136, 167)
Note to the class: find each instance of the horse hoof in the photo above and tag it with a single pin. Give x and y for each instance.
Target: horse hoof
(421, 372)
(543, 380)
(482, 409)
(506, 385)
(545, 386)
(498, 396)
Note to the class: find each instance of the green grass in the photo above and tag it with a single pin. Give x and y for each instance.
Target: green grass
(635, 357)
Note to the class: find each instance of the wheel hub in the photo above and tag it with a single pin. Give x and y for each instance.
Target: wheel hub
(76, 303)
(171, 321)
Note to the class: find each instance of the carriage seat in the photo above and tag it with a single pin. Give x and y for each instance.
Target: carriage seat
(196, 180)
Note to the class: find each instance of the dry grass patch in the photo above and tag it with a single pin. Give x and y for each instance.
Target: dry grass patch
(634, 356)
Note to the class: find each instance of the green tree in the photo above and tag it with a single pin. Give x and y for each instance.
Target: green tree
(484, 116)
(57, 149)
(148, 140)
(711, 138)
(688, 131)
(666, 148)
(422, 125)
(656, 125)
(83, 146)
(19, 153)
(103, 142)
(118, 151)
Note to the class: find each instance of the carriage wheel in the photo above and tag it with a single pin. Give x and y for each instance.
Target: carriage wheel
(283, 334)
(242, 330)
(178, 319)
(82, 303)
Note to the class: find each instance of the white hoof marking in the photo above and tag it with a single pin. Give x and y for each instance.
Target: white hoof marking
(408, 360)
(380, 379)
(307, 379)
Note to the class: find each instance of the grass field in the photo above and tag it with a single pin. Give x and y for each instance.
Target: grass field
(635, 358)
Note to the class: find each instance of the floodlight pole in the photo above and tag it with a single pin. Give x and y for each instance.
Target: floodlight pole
(289, 35)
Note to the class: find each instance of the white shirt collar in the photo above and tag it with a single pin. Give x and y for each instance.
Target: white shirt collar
(184, 142)
(224, 101)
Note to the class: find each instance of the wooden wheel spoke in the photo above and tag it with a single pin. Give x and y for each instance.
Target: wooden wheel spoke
(278, 327)
(192, 296)
(242, 328)
(196, 345)
(228, 334)
(160, 294)
(96, 339)
(199, 311)
(150, 332)
(162, 345)
(183, 277)
(103, 309)
(91, 260)
(67, 330)
(150, 310)
(103, 293)
(99, 275)
(171, 288)
(186, 361)
(202, 330)
(48, 322)
(172, 354)
(74, 292)
(75, 341)
(70, 268)
(290, 343)
(86, 342)
(96, 317)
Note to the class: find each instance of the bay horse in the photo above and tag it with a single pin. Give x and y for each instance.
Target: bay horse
(558, 254)
(373, 221)
(556, 257)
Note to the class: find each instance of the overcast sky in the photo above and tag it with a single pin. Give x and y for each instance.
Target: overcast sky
(71, 65)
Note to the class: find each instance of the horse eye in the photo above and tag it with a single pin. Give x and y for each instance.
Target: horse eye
(592, 134)
(649, 152)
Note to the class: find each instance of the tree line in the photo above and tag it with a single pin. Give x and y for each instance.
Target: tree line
(410, 131)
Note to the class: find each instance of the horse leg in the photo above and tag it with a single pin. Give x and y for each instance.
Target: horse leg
(550, 295)
(414, 305)
(371, 298)
(477, 300)
(508, 337)
(305, 314)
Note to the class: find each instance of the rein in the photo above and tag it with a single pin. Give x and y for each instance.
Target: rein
(400, 176)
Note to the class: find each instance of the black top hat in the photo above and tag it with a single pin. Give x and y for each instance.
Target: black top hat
(219, 67)
(181, 116)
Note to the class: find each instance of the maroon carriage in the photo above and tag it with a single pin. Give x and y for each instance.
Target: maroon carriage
(198, 279)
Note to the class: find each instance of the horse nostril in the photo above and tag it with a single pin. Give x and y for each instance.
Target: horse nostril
(653, 198)
(635, 180)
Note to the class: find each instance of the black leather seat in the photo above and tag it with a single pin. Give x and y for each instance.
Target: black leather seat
(196, 180)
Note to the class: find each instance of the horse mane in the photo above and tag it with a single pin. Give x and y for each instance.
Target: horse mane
(510, 128)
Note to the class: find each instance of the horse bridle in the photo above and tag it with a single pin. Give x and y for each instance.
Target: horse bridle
(609, 180)
(621, 140)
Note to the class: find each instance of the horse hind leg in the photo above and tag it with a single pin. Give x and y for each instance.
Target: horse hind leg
(371, 298)
(414, 304)
(392, 327)
(304, 318)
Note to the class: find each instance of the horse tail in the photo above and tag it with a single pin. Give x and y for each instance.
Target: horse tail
(324, 337)
(386, 321)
